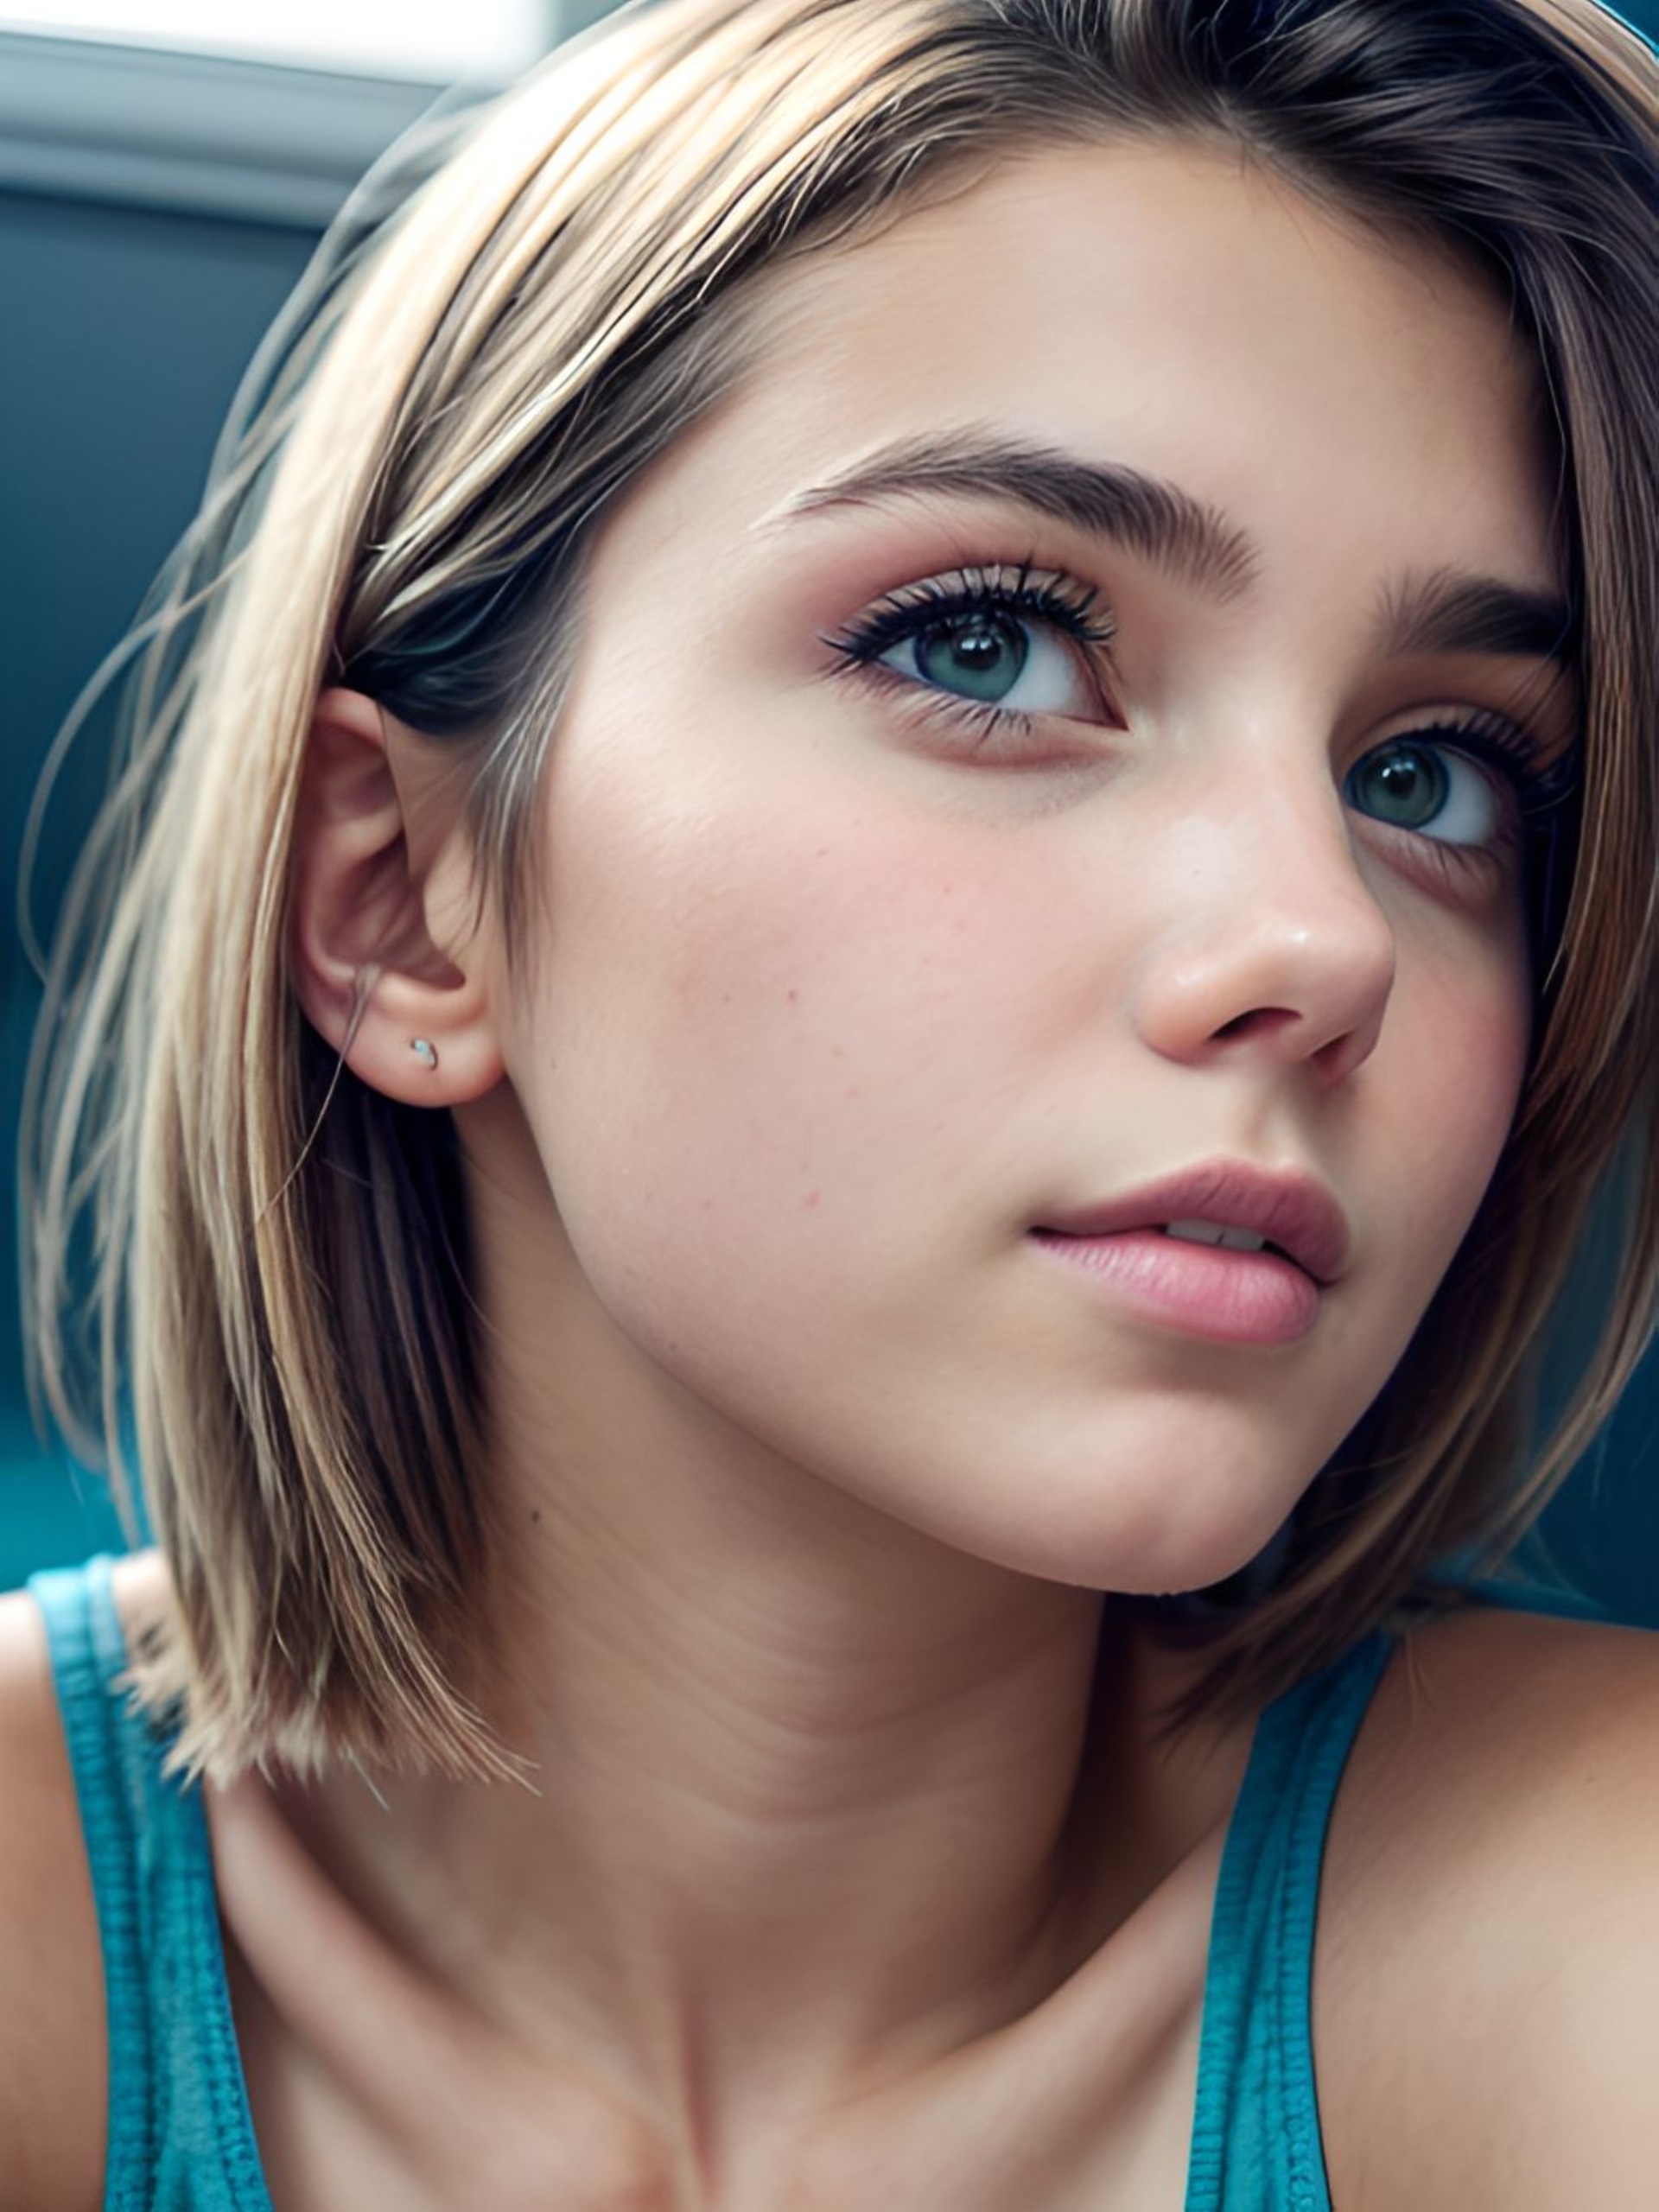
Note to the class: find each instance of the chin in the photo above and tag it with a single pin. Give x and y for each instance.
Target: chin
(1170, 1544)
(1241, 1583)
(1192, 1579)
(1185, 1522)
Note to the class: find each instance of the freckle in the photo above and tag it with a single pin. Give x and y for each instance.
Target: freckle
(725, 998)
(812, 1199)
(794, 998)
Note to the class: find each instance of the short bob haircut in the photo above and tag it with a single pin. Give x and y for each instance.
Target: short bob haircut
(250, 1270)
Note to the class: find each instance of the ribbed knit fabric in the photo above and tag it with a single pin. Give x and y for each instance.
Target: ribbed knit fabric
(1256, 2130)
(182, 2137)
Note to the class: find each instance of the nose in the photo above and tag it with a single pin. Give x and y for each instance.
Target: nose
(1268, 941)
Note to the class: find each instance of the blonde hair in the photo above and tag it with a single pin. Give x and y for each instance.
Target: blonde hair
(255, 1266)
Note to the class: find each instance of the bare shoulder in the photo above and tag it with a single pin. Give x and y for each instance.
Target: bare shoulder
(1486, 1978)
(52, 2038)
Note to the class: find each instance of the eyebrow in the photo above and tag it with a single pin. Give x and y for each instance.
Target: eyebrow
(1148, 516)
(1447, 611)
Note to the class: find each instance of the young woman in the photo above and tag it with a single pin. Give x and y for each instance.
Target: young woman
(882, 905)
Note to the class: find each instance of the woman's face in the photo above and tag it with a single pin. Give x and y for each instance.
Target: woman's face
(1043, 745)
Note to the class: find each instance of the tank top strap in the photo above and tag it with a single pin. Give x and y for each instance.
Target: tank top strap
(1256, 2145)
(181, 2133)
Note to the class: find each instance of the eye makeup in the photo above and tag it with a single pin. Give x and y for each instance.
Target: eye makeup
(1009, 597)
(1048, 594)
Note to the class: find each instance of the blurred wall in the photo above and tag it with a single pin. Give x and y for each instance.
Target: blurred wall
(129, 328)
(131, 296)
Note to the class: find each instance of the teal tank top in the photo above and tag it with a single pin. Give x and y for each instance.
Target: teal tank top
(181, 2133)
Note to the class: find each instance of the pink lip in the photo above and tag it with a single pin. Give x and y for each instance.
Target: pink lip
(1244, 1298)
(1292, 1211)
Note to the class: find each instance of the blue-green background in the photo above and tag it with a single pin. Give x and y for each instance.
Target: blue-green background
(123, 331)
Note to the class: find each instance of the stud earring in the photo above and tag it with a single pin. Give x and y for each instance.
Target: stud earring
(424, 1051)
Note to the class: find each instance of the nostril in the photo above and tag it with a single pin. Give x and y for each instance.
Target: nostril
(1259, 1020)
(1337, 1059)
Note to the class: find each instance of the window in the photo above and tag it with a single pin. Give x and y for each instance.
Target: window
(432, 41)
(265, 111)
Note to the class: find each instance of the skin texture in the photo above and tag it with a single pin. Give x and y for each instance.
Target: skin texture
(812, 1464)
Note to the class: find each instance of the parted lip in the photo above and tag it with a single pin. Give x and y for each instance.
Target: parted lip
(1293, 1211)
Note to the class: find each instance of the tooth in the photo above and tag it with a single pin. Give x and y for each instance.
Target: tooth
(1210, 1232)
(1242, 1240)
(1196, 1232)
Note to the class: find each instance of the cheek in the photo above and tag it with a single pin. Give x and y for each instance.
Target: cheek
(1462, 1053)
(772, 1045)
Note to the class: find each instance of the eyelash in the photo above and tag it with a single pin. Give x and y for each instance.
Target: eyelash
(1505, 750)
(1495, 742)
(1045, 595)
(1487, 738)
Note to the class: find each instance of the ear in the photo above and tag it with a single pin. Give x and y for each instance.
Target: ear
(377, 893)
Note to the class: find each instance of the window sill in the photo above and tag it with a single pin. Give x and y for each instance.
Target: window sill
(251, 141)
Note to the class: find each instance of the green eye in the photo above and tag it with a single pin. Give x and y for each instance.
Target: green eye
(1402, 783)
(989, 647)
(981, 656)
(1441, 792)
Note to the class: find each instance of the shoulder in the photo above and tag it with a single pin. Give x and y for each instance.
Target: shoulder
(1486, 1982)
(53, 2067)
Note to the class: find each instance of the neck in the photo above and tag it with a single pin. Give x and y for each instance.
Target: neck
(817, 1801)
(794, 1765)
